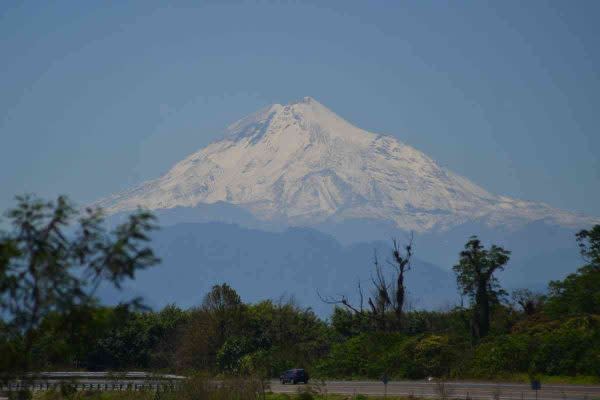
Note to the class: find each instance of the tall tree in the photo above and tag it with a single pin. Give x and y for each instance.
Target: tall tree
(49, 267)
(225, 307)
(475, 277)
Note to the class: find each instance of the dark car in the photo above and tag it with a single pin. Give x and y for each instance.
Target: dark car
(294, 376)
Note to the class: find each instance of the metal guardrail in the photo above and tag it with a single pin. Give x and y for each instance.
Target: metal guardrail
(95, 381)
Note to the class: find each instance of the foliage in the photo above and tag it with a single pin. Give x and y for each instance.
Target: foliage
(263, 338)
(360, 356)
(578, 294)
(48, 268)
(504, 354)
(589, 245)
(244, 344)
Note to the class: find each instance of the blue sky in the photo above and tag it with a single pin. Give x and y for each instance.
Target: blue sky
(98, 96)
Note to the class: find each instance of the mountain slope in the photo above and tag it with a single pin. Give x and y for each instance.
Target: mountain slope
(301, 164)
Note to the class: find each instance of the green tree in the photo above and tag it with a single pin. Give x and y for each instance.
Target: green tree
(475, 277)
(229, 357)
(49, 267)
(224, 305)
(293, 336)
(589, 245)
(579, 293)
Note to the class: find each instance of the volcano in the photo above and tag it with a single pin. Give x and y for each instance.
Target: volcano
(301, 164)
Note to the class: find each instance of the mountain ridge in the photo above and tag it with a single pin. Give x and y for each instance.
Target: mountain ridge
(296, 262)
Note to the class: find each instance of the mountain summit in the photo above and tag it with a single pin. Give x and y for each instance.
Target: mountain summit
(302, 164)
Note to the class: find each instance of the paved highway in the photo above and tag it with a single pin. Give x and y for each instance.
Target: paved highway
(454, 390)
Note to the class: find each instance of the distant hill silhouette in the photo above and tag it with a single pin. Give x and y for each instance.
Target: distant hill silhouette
(298, 262)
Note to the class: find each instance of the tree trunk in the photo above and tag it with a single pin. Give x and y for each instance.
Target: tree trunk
(399, 299)
(482, 309)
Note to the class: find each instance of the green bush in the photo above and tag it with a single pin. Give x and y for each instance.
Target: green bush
(573, 348)
(360, 356)
(501, 355)
(420, 356)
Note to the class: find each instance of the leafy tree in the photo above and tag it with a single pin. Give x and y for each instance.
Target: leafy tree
(221, 298)
(196, 348)
(71, 339)
(579, 293)
(221, 316)
(292, 335)
(137, 339)
(570, 346)
(475, 277)
(47, 267)
(229, 357)
(224, 305)
(589, 245)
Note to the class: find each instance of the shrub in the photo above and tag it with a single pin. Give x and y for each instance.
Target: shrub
(502, 354)
(420, 356)
(361, 356)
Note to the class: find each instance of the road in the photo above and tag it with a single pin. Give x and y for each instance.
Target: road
(454, 390)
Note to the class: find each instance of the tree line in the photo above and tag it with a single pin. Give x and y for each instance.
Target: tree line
(54, 258)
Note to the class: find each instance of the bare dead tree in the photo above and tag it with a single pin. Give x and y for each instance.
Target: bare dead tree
(343, 300)
(381, 301)
(385, 297)
(402, 264)
(529, 301)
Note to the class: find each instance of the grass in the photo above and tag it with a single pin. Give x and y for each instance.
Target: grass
(556, 379)
(508, 378)
(151, 396)
(280, 396)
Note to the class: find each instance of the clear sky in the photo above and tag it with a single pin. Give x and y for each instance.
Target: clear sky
(98, 96)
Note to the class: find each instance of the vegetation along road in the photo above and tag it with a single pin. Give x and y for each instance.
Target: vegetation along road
(455, 390)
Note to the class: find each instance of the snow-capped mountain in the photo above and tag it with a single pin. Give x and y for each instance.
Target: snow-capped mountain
(303, 165)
